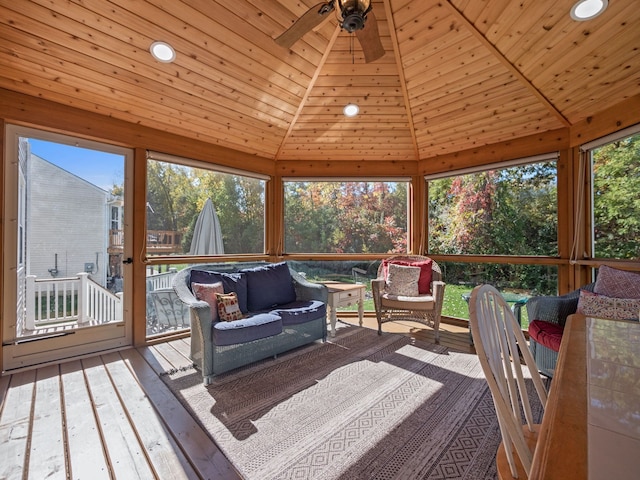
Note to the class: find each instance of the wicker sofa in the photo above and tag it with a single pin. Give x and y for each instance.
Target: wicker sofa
(281, 311)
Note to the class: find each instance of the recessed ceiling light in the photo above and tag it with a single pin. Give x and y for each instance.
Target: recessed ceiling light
(163, 52)
(588, 9)
(350, 110)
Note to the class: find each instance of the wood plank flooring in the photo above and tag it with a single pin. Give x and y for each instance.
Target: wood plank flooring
(110, 416)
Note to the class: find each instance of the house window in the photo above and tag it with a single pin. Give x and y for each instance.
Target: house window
(345, 217)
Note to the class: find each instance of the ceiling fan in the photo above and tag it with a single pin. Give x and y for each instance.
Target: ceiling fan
(353, 16)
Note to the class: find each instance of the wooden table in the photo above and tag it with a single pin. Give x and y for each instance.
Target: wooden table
(591, 426)
(561, 451)
(344, 295)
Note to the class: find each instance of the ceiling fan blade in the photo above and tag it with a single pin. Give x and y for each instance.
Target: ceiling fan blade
(311, 19)
(369, 39)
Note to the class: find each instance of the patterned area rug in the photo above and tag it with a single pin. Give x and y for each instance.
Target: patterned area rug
(361, 406)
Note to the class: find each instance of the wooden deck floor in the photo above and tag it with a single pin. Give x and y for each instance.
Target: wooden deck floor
(111, 417)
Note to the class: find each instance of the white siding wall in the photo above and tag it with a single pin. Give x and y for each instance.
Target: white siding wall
(68, 216)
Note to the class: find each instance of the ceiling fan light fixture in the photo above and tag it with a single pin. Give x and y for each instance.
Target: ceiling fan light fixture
(162, 52)
(584, 10)
(351, 110)
(352, 14)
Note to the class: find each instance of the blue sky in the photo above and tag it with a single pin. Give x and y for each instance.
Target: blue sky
(99, 168)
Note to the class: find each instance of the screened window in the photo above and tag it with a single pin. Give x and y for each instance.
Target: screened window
(195, 210)
(508, 211)
(346, 217)
(616, 199)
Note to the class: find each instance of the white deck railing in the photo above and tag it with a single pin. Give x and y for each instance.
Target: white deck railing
(159, 281)
(73, 299)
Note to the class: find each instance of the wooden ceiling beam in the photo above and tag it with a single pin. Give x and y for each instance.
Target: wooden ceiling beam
(494, 51)
(306, 95)
(403, 82)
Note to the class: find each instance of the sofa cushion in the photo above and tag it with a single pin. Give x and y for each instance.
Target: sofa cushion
(232, 282)
(424, 282)
(207, 293)
(546, 334)
(247, 329)
(402, 280)
(612, 282)
(601, 306)
(228, 308)
(301, 311)
(269, 286)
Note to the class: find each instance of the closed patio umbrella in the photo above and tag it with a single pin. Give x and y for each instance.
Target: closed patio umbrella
(207, 236)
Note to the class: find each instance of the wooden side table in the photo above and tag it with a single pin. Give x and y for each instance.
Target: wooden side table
(344, 295)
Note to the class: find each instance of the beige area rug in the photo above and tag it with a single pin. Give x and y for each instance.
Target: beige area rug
(360, 406)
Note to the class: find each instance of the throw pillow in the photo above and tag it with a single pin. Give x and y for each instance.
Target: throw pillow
(403, 280)
(228, 308)
(424, 282)
(232, 282)
(269, 286)
(207, 292)
(600, 306)
(617, 283)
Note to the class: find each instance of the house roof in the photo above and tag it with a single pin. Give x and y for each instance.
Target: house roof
(457, 74)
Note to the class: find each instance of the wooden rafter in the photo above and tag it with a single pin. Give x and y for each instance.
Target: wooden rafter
(403, 82)
(312, 83)
(510, 66)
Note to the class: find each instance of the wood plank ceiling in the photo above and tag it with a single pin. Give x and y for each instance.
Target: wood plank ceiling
(457, 74)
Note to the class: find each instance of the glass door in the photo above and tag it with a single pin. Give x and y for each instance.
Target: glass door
(64, 248)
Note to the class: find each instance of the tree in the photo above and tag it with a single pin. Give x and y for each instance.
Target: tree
(616, 199)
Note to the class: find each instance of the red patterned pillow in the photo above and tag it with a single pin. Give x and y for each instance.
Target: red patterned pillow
(228, 307)
(601, 306)
(617, 283)
(424, 282)
(207, 292)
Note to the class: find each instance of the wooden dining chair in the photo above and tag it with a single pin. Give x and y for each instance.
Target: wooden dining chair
(501, 347)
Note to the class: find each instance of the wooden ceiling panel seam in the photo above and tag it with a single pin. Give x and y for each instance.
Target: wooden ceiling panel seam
(467, 121)
(455, 60)
(464, 93)
(496, 96)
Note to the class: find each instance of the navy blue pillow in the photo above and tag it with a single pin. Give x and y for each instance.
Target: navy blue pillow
(231, 282)
(269, 286)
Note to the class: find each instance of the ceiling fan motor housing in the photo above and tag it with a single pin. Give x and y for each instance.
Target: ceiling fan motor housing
(353, 13)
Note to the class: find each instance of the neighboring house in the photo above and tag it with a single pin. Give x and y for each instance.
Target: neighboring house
(68, 221)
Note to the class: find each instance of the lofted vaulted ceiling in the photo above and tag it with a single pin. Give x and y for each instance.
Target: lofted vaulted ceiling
(457, 74)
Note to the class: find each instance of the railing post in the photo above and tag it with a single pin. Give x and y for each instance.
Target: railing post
(83, 297)
(30, 301)
(119, 308)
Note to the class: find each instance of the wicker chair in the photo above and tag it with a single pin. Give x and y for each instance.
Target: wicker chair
(555, 310)
(425, 308)
(170, 312)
